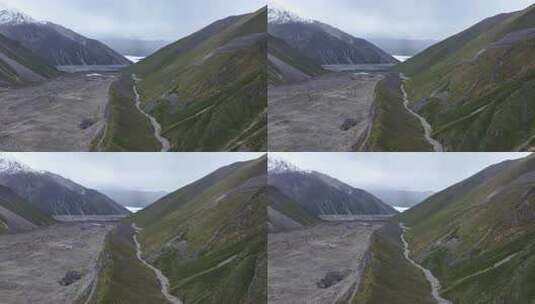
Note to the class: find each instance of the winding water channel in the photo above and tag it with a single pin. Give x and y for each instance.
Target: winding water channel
(166, 146)
(435, 283)
(164, 281)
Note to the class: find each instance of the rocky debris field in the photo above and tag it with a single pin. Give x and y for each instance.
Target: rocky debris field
(64, 114)
(321, 264)
(328, 113)
(52, 265)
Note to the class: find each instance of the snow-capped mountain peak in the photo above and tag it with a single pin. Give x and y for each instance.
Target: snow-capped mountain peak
(280, 15)
(10, 165)
(9, 15)
(278, 165)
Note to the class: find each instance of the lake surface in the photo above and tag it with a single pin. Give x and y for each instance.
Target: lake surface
(133, 209)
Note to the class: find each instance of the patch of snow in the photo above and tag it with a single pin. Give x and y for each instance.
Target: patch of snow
(10, 165)
(134, 59)
(402, 58)
(94, 75)
(10, 15)
(280, 15)
(278, 165)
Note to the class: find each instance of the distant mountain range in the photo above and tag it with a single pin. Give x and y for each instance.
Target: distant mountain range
(135, 47)
(52, 194)
(207, 90)
(55, 44)
(131, 197)
(208, 238)
(401, 198)
(402, 47)
(476, 88)
(322, 43)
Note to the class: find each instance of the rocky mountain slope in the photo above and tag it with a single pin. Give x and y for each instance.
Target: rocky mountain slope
(53, 194)
(320, 194)
(285, 214)
(19, 66)
(477, 237)
(207, 90)
(17, 215)
(208, 238)
(321, 42)
(287, 65)
(476, 87)
(57, 45)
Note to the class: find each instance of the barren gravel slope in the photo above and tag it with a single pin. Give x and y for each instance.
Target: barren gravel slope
(63, 114)
(31, 264)
(300, 259)
(308, 116)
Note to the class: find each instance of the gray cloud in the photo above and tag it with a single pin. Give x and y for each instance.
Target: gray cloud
(422, 19)
(140, 171)
(401, 171)
(147, 19)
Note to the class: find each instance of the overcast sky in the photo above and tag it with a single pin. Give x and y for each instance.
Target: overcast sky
(148, 19)
(420, 19)
(399, 171)
(138, 171)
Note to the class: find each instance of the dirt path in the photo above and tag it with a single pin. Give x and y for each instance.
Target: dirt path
(166, 146)
(64, 114)
(328, 113)
(435, 283)
(428, 130)
(164, 282)
(31, 264)
(299, 261)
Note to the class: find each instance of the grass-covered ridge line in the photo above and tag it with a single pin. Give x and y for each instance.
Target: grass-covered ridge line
(476, 87)
(478, 235)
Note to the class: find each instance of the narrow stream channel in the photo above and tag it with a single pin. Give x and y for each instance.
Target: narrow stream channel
(435, 283)
(166, 146)
(428, 130)
(164, 282)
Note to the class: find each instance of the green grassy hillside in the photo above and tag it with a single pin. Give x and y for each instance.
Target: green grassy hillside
(13, 51)
(123, 279)
(388, 276)
(208, 90)
(17, 205)
(478, 236)
(476, 87)
(208, 238)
